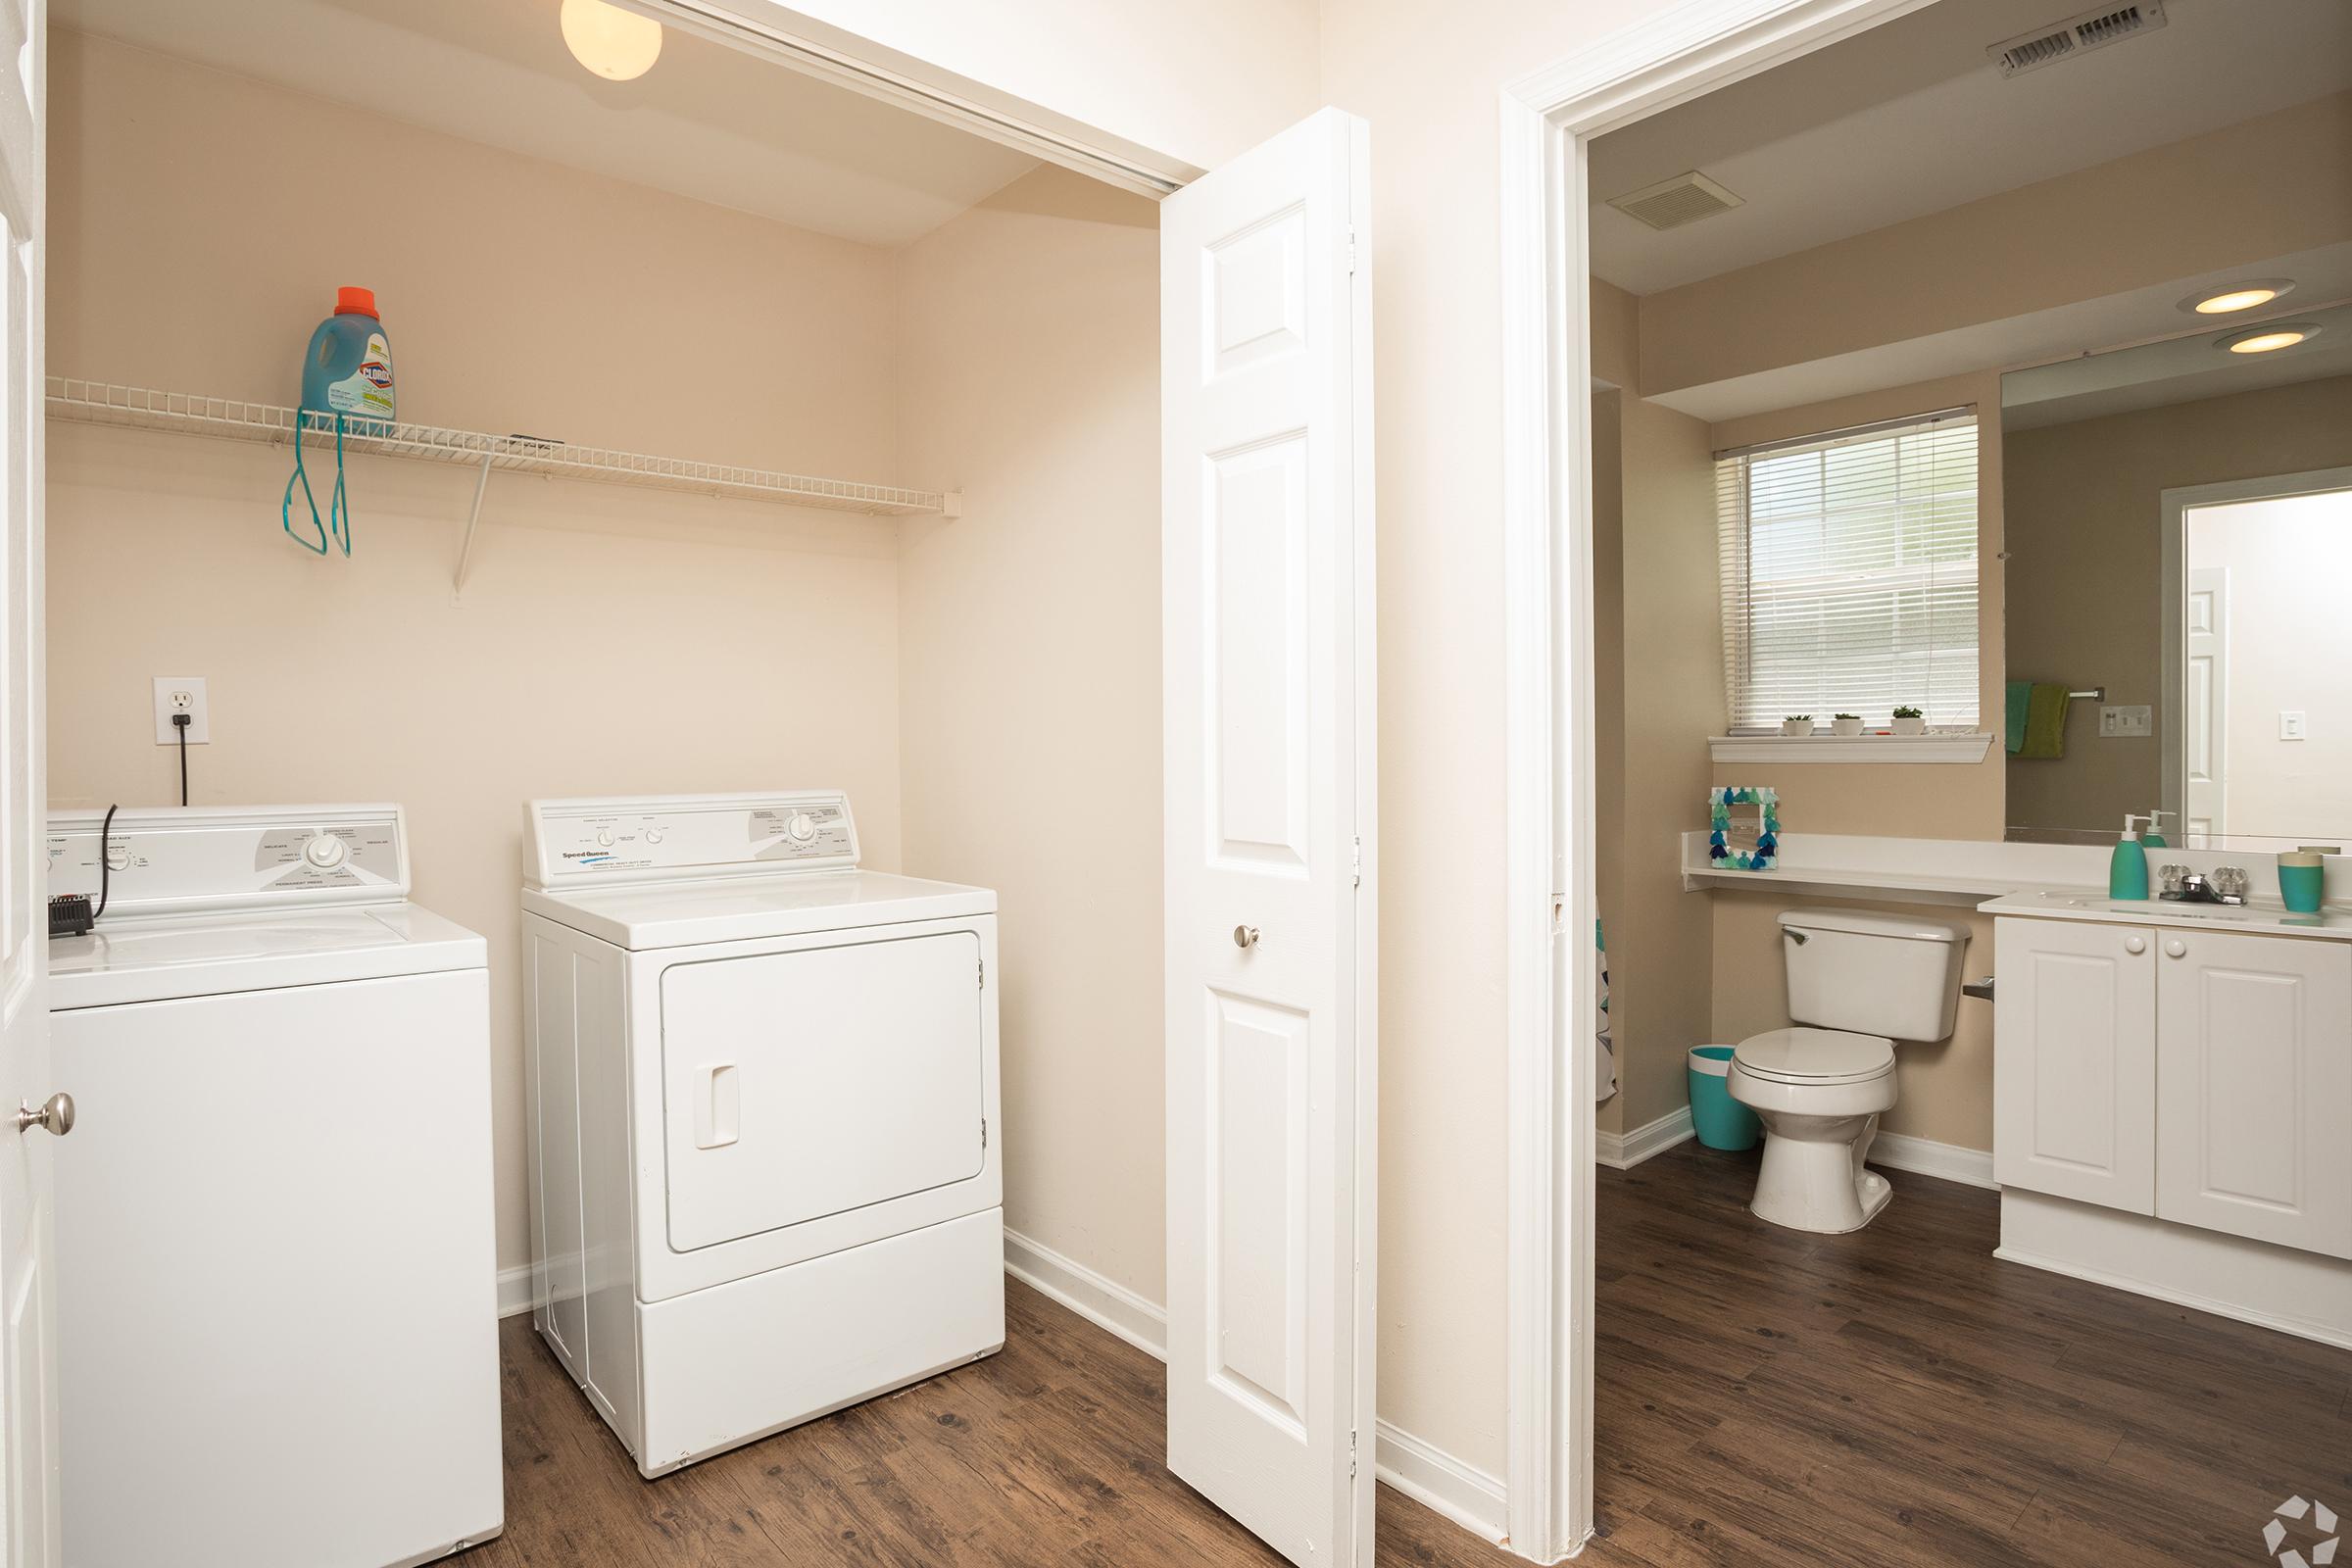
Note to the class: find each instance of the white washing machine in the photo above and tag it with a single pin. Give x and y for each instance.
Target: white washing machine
(277, 1275)
(763, 1092)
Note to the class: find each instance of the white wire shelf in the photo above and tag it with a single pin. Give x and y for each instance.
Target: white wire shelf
(139, 407)
(99, 403)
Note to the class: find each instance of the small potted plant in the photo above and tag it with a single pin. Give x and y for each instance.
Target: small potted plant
(1910, 721)
(1847, 724)
(1798, 726)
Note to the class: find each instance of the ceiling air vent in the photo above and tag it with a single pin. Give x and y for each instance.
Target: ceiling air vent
(1670, 203)
(2063, 40)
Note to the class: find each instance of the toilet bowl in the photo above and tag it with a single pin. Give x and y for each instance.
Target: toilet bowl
(1819, 1094)
(1858, 981)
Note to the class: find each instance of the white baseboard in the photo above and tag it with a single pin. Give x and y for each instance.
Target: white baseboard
(1625, 1151)
(1103, 1303)
(1927, 1157)
(1430, 1476)
(514, 1290)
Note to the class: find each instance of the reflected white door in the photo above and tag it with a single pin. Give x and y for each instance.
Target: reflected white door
(27, 1360)
(1267, 640)
(2205, 702)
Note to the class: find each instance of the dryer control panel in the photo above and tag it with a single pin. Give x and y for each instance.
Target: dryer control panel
(688, 837)
(167, 860)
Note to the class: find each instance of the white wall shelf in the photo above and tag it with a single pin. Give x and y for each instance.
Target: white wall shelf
(1944, 746)
(137, 408)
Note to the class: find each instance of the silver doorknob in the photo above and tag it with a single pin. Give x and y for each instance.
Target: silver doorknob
(1245, 936)
(56, 1116)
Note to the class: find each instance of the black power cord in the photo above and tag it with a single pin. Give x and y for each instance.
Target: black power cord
(106, 864)
(179, 723)
(70, 913)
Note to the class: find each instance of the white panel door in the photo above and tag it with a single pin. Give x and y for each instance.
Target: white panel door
(2205, 702)
(1265, 361)
(2254, 1088)
(2074, 1078)
(28, 1358)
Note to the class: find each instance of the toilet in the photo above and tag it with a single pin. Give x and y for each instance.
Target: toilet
(1859, 981)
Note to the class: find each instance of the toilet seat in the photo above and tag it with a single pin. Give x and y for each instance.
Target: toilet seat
(1814, 1056)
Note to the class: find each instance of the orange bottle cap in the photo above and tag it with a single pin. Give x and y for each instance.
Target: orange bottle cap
(355, 302)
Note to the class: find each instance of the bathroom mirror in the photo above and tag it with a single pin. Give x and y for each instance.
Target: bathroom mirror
(2178, 527)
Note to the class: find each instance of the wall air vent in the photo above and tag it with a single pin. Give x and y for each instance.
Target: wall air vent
(1670, 203)
(2063, 40)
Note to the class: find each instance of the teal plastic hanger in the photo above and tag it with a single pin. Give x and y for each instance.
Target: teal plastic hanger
(337, 523)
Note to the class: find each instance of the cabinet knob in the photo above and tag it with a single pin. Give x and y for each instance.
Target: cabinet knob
(2136, 944)
(1245, 937)
(2175, 948)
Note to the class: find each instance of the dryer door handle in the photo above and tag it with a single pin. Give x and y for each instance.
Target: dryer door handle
(718, 1108)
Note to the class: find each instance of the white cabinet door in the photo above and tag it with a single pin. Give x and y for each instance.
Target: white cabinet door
(2254, 1097)
(2073, 1110)
(1266, 562)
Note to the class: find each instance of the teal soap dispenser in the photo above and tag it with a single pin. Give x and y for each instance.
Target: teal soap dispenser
(2127, 868)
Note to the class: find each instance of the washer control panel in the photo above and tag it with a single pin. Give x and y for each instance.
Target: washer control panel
(156, 860)
(682, 838)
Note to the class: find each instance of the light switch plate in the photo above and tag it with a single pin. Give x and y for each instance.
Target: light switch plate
(2291, 726)
(2127, 721)
(181, 694)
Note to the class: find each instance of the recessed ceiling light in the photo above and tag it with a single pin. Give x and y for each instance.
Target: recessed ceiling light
(618, 45)
(2270, 339)
(2242, 295)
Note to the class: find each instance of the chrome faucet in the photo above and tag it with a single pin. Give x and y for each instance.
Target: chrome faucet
(2226, 883)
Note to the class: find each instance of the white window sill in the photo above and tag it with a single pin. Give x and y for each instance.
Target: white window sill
(1946, 746)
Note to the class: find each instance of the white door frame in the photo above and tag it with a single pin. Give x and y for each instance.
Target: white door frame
(2173, 591)
(1551, 979)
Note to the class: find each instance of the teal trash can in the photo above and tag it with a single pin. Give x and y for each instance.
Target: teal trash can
(1720, 1121)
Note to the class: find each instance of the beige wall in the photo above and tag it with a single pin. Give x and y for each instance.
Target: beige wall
(1661, 940)
(2244, 194)
(611, 641)
(1029, 645)
(1202, 82)
(2087, 558)
(1428, 90)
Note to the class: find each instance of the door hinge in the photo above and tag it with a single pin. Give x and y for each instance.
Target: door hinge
(984, 974)
(1351, 1453)
(1351, 253)
(1357, 862)
(984, 1132)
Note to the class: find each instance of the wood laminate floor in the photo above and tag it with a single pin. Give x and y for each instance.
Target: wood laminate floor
(1048, 1452)
(1899, 1396)
(1767, 1398)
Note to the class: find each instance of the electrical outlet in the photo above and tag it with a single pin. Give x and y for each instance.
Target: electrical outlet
(2127, 720)
(181, 694)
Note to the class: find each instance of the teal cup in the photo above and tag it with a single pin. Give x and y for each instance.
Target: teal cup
(2301, 887)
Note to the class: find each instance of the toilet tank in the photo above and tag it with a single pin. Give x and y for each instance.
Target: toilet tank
(1873, 975)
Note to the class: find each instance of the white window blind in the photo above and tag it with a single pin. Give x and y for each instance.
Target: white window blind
(1849, 574)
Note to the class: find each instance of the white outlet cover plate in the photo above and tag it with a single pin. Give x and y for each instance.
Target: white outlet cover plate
(200, 709)
(2129, 720)
(2292, 725)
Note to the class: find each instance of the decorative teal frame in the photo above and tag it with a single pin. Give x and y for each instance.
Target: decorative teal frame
(1766, 852)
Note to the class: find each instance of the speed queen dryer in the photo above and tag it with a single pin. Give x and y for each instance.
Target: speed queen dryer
(276, 1282)
(762, 1090)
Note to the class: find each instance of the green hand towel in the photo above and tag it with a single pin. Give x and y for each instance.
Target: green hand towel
(2045, 721)
(2021, 694)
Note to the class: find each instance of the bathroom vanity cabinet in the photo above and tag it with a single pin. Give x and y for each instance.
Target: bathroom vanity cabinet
(2196, 1076)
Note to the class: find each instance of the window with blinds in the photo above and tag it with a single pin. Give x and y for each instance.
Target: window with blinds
(1849, 574)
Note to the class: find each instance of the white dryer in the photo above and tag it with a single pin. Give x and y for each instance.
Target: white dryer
(276, 1277)
(762, 1099)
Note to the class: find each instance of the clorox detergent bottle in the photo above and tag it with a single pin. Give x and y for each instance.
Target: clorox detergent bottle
(349, 369)
(347, 375)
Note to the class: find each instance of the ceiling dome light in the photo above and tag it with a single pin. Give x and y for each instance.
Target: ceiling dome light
(618, 45)
(2270, 339)
(2243, 295)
